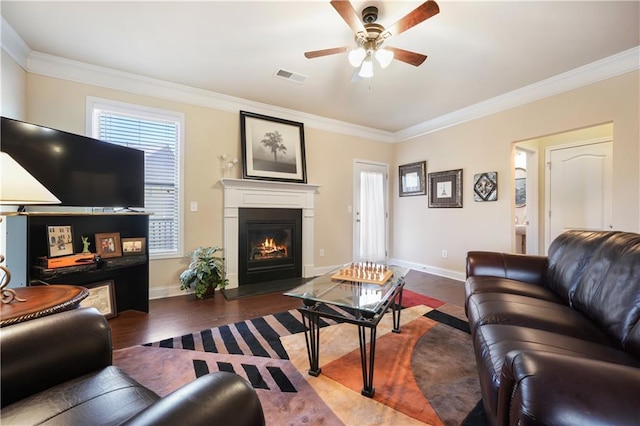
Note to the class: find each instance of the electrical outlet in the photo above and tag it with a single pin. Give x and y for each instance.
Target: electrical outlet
(194, 206)
(445, 254)
(321, 252)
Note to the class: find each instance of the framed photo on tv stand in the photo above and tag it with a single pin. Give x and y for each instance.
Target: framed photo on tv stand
(59, 240)
(108, 245)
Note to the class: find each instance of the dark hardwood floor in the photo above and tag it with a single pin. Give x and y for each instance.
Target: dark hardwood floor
(180, 315)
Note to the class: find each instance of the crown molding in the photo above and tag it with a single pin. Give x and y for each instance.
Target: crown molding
(57, 67)
(54, 66)
(13, 44)
(612, 66)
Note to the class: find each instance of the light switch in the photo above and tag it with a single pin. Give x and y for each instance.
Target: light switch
(194, 206)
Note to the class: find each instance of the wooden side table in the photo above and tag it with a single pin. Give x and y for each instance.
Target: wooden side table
(41, 301)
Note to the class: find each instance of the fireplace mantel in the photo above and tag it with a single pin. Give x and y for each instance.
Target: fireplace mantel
(247, 193)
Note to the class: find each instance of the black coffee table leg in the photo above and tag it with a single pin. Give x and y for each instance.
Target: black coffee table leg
(367, 360)
(311, 323)
(396, 308)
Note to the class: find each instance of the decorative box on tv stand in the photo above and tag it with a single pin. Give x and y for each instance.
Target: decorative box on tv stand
(65, 261)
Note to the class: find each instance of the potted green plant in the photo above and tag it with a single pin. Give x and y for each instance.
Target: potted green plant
(205, 272)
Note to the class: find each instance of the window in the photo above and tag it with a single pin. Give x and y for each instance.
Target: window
(159, 134)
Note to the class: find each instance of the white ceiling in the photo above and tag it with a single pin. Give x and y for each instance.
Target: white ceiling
(477, 50)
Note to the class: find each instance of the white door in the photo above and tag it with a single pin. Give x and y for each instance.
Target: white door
(579, 188)
(371, 217)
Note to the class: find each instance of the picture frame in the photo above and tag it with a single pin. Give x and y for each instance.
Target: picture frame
(102, 296)
(445, 189)
(272, 148)
(485, 186)
(133, 246)
(520, 187)
(59, 240)
(411, 179)
(108, 245)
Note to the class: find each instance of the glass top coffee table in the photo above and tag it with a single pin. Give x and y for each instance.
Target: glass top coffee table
(368, 301)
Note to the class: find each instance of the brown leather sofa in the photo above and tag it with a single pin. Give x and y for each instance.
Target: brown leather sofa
(557, 337)
(57, 370)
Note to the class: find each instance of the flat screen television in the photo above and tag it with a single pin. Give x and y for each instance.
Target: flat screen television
(80, 171)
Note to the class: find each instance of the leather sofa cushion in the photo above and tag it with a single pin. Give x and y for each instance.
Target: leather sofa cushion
(83, 401)
(609, 292)
(492, 342)
(482, 284)
(512, 309)
(570, 254)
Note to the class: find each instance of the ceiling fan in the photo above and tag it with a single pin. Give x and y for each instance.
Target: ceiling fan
(371, 37)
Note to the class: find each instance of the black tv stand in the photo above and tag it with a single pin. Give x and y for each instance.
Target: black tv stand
(27, 240)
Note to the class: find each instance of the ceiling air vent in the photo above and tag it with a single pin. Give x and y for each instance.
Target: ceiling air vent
(291, 76)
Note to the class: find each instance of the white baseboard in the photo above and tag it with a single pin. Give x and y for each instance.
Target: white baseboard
(162, 292)
(441, 272)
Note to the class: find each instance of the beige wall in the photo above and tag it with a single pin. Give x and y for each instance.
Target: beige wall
(485, 144)
(208, 134)
(13, 88)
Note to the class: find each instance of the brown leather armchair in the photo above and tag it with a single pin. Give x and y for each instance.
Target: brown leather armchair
(57, 369)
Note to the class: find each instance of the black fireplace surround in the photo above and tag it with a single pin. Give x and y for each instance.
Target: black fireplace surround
(269, 245)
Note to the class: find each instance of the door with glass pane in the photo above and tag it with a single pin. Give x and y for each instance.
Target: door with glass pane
(370, 230)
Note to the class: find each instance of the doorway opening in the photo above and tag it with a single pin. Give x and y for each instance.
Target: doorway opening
(553, 205)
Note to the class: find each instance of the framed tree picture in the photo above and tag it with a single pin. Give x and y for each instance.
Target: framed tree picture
(272, 148)
(445, 189)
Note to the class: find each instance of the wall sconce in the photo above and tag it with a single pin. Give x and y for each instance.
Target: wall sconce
(226, 165)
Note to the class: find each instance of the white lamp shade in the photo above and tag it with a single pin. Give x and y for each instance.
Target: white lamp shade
(384, 57)
(356, 56)
(18, 187)
(366, 70)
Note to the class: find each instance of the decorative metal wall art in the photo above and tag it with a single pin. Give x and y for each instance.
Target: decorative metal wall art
(485, 186)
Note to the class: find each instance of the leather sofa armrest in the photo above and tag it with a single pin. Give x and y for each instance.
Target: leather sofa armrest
(41, 353)
(548, 388)
(519, 267)
(219, 398)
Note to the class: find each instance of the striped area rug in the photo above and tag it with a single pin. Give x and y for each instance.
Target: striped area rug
(270, 353)
(255, 337)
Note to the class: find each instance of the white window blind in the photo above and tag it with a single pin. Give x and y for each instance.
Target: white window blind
(160, 141)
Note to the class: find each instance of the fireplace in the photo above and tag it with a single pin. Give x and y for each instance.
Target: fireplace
(269, 244)
(254, 194)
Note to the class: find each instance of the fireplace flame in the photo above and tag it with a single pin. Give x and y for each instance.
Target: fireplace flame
(269, 249)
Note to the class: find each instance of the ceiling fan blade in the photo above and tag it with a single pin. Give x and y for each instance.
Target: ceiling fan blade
(411, 58)
(325, 52)
(349, 14)
(423, 12)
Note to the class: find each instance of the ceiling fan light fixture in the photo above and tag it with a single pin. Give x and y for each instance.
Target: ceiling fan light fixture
(366, 70)
(384, 57)
(356, 56)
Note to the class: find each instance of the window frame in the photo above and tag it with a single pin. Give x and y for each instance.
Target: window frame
(143, 111)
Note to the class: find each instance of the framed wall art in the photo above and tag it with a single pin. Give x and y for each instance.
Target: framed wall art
(272, 148)
(521, 187)
(101, 296)
(445, 189)
(59, 240)
(108, 245)
(412, 179)
(485, 186)
(131, 246)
